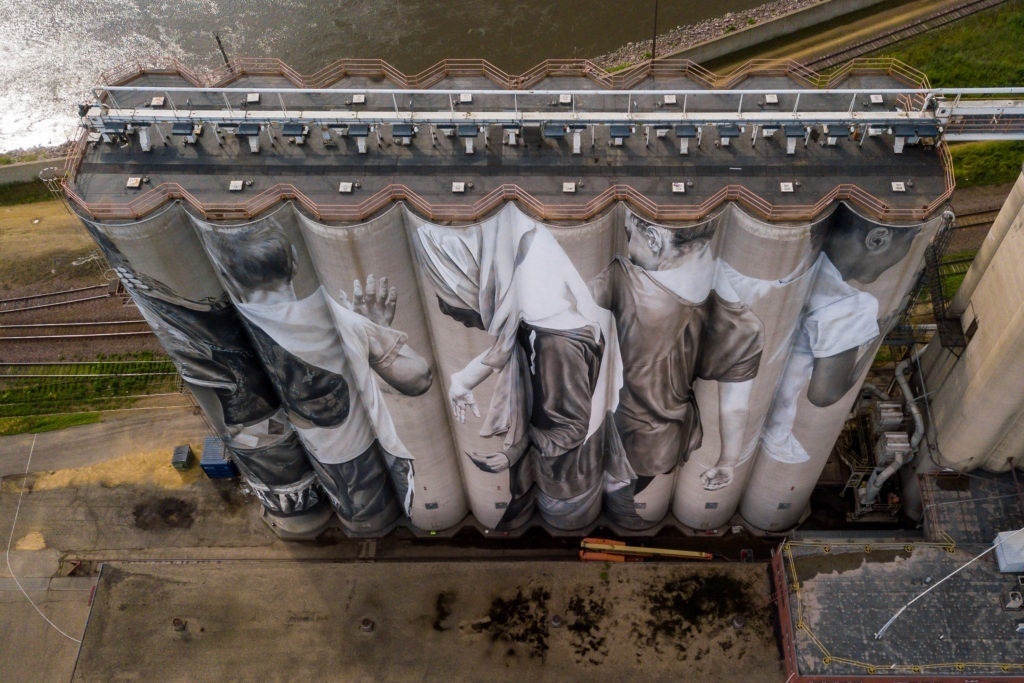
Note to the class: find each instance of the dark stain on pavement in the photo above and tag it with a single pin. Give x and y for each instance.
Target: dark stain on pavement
(159, 514)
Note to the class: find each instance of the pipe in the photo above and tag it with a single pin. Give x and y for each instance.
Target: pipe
(874, 390)
(879, 477)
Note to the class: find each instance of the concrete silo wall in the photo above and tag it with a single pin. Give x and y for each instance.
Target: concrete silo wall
(771, 268)
(510, 366)
(163, 267)
(376, 256)
(861, 279)
(977, 409)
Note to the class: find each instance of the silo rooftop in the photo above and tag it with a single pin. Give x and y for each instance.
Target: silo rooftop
(566, 140)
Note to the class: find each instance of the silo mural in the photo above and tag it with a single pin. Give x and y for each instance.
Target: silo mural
(192, 317)
(551, 358)
(767, 266)
(375, 257)
(678, 319)
(644, 372)
(324, 354)
(863, 271)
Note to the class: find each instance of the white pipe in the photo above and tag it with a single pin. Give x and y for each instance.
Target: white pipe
(879, 477)
(908, 395)
(872, 389)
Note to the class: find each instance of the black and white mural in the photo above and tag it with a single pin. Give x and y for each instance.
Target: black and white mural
(325, 355)
(202, 333)
(550, 357)
(523, 371)
(678, 318)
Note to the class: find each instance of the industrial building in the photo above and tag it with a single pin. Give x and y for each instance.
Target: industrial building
(583, 204)
(570, 298)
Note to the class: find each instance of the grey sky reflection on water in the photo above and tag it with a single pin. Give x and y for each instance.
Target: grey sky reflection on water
(52, 51)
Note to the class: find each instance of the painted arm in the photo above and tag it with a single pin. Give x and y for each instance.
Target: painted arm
(733, 408)
(408, 372)
(405, 370)
(833, 376)
(460, 391)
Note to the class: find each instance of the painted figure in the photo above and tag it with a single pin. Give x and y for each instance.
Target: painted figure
(325, 381)
(554, 360)
(678, 319)
(837, 326)
(205, 340)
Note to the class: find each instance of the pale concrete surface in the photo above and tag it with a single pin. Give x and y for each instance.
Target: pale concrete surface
(29, 170)
(31, 651)
(273, 610)
(120, 433)
(476, 621)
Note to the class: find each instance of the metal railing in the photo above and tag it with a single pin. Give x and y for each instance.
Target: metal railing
(265, 200)
(626, 78)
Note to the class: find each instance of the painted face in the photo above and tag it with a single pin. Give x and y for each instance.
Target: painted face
(864, 255)
(642, 243)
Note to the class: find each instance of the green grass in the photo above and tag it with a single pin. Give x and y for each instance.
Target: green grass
(45, 423)
(952, 271)
(24, 193)
(8, 159)
(981, 50)
(81, 387)
(986, 163)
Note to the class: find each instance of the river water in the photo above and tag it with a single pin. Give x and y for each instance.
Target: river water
(52, 51)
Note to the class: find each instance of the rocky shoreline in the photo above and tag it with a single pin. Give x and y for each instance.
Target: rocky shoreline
(683, 37)
(17, 156)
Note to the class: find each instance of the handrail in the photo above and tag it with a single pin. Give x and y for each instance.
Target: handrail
(333, 71)
(265, 200)
(377, 68)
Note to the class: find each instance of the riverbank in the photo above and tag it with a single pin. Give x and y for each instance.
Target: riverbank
(20, 156)
(687, 36)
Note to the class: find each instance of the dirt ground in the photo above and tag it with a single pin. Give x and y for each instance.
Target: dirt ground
(39, 245)
(552, 621)
(44, 248)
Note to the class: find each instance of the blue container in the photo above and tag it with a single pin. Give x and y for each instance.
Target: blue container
(214, 461)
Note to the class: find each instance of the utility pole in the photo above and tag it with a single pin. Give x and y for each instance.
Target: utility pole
(654, 34)
(220, 46)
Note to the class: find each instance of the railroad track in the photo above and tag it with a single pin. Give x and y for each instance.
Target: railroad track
(66, 297)
(48, 332)
(914, 28)
(969, 220)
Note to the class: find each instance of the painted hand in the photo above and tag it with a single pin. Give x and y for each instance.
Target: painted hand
(716, 478)
(490, 462)
(461, 397)
(377, 302)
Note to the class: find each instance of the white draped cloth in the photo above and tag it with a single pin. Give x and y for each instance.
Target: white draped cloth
(325, 334)
(837, 317)
(510, 270)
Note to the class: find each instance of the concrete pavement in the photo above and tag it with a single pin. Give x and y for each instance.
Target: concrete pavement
(167, 545)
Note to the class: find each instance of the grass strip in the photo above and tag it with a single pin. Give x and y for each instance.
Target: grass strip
(45, 423)
(986, 163)
(981, 50)
(12, 194)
